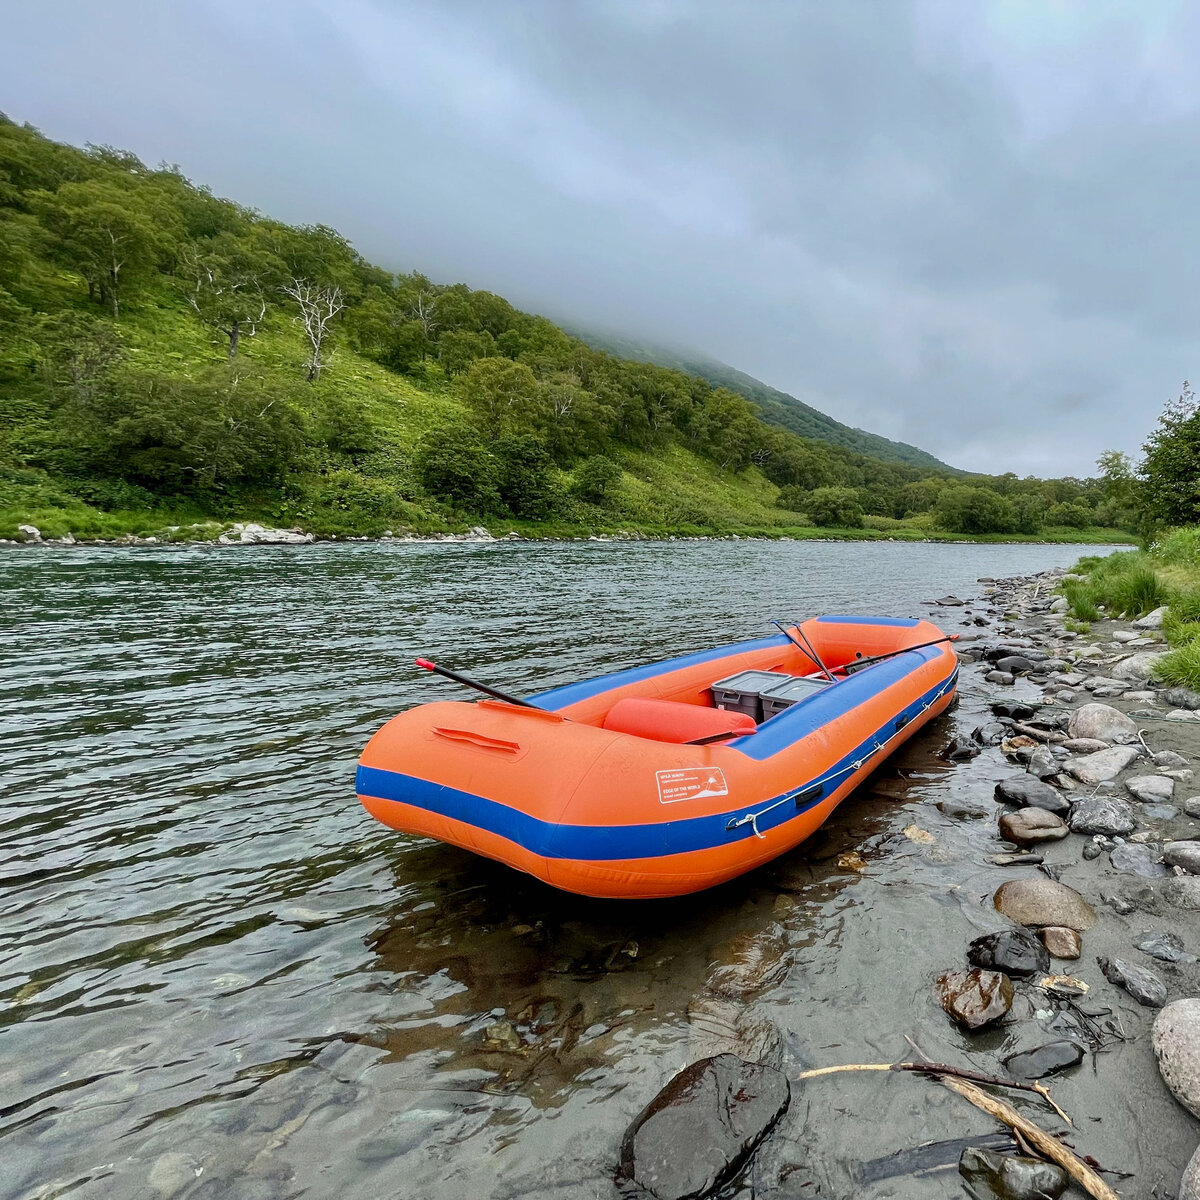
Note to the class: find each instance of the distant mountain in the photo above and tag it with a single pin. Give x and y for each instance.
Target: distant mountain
(778, 408)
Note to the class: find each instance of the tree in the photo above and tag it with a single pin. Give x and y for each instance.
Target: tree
(595, 479)
(99, 229)
(524, 477)
(1170, 469)
(453, 464)
(836, 507)
(319, 305)
(225, 287)
(966, 509)
(503, 393)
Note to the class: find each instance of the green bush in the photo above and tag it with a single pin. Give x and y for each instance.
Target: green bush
(965, 509)
(834, 507)
(1082, 600)
(595, 479)
(1133, 593)
(1179, 547)
(524, 477)
(454, 464)
(1181, 667)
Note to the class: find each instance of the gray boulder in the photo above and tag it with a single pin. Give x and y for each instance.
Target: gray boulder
(1185, 855)
(1135, 858)
(1152, 789)
(1152, 620)
(1189, 1185)
(1105, 815)
(1103, 765)
(1028, 792)
(1103, 722)
(1140, 982)
(1176, 1042)
(1137, 668)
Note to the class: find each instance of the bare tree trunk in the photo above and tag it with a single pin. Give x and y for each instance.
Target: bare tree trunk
(319, 304)
(234, 330)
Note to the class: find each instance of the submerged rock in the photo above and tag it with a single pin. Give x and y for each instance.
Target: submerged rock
(1044, 902)
(1105, 815)
(960, 749)
(1044, 1060)
(748, 963)
(992, 1176)
(1140, 982)
(1013, 951)
(699, 1130)
(717, 1026)
(1176, 1042)
(975, 998)
(1061, 942)
(1103, 723)
(1028, 826)
(1027, 791)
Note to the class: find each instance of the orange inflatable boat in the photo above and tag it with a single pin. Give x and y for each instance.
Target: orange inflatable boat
(668, 778)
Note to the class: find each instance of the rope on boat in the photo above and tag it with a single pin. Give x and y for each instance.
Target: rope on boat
(751, 819)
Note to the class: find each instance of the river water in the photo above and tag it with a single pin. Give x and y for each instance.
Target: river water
(220, 978)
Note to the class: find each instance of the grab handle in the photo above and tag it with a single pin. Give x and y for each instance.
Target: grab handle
(480, 740)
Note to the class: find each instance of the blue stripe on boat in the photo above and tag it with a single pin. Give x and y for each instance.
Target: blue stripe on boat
(596, 843)
(900, 622)
(572, 693)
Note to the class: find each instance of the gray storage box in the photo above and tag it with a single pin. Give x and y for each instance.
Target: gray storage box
(784, 695)
(742, 692)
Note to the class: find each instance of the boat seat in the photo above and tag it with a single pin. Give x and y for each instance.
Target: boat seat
(672, 721)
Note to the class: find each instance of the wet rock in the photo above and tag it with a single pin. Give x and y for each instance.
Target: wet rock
(1014, 664)
(960, 811)
(1013, 951)
(1000, 677)
(717, 1026)
(1152, 620)
(1140, 982)
(500, 1035)
(992, 1176)
(1042, 764)
(1084, 745)
(1103, 765)
(702, 1127)
(975, 998)
(1028, 792)
(1165, 946)
(1185, 855)
(1176, 1042)
(748, 963)
(1136, 858)
(1039, 901)
(1008, 708)
(991, 734)
(1105, 815)
(172, 1172)
(960, 749)
(1103, 723)
(1061, 942)
(1015, 860)
(1029, 826)
(1019, 747)
(1153, 789)
(1044, 1060)
(949, 602)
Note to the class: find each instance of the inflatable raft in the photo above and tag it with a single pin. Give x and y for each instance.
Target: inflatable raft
(668, 778)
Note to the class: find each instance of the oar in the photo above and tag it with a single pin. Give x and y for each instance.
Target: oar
(863, 662)
(426, 665)
(811, 649)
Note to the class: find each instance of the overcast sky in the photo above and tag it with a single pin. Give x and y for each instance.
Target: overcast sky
(968, 226)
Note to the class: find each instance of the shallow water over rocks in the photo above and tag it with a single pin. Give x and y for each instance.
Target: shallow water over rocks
(221, 979)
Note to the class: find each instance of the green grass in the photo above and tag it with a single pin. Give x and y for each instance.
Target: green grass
(1181, 667)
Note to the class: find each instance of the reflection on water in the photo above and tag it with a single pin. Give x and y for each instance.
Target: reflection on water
(220, 978)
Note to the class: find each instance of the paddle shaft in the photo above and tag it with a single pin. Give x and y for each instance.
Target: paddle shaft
(862, 662)
(496, 693)
(808, 647)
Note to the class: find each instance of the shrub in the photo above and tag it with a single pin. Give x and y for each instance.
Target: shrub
(967, 509)
(834, 507)
(524, 478)
(1180, 547)
(1181, 667)
(595, 479)
(453, 464)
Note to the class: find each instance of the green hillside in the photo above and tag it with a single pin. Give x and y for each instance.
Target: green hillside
(171, 361)
(776, 408)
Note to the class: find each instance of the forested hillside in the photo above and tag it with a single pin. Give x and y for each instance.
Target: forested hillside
(168, 357)
(775, 407)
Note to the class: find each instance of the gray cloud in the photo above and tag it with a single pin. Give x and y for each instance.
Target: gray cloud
(971, 227)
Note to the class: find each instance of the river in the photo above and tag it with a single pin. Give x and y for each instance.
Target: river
(221, 978)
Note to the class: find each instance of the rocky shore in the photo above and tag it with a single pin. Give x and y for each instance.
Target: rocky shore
(1096, 783)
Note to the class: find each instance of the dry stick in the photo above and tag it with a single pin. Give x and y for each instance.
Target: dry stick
(1037, 1137)
(1040, 735)
(934, 1068)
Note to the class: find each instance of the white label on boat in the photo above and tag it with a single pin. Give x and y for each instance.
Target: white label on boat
(691, 783)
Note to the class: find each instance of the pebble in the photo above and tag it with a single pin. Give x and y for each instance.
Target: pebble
(1105, 815)
(1140, 982)
(1134, 858)
(1035, 901)
(1028, 826)
(1154, 789)
(1010, 1176)
(1091, 851)
(1013, 951)
(1044, 1060)
(700, 1129)
(1176, 1042)
(1103, 765)
(1061, 942)
(1028, 792)
(1164, 945)
(1103, 723)
(975, 998)
(1185, 855)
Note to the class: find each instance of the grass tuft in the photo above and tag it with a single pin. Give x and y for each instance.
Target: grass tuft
(1181, 667)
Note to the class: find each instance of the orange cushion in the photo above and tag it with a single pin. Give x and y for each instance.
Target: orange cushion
(671, 721)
